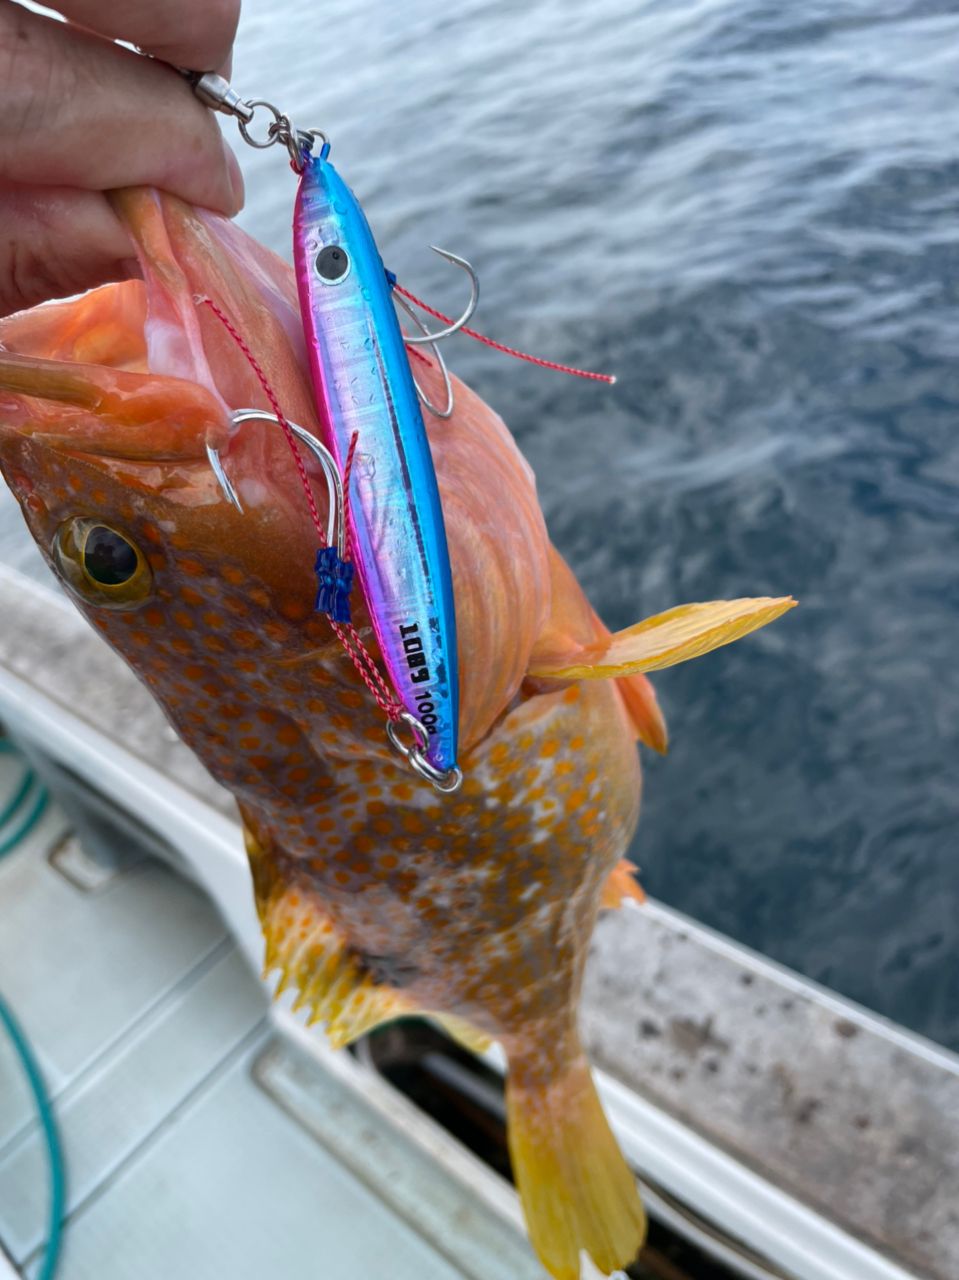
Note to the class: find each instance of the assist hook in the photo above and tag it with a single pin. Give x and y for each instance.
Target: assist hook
(335, 529)
(470, 307)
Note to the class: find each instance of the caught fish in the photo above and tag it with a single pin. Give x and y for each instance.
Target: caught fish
(378, 896)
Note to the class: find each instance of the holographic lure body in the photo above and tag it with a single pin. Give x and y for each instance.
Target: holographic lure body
(363, 385)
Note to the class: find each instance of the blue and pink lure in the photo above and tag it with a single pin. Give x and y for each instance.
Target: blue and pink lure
(364, 387)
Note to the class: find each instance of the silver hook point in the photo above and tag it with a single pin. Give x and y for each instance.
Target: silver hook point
(467, 315)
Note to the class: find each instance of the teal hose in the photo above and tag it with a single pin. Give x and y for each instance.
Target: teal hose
(22, 1046)
(54, 1151)
(29, 820)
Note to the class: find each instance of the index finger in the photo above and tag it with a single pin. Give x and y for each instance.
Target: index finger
(197, 34)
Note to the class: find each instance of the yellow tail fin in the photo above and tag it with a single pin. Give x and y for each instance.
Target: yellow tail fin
(577, 1191)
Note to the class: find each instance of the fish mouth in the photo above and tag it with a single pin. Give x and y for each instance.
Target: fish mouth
(109, 413)
(138, 370)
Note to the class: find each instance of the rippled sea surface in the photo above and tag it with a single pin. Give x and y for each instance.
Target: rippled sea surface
(748, 211)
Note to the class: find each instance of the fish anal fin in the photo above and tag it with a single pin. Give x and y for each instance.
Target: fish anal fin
(688, 631)
(463, 1032)
(621, 885)
(576, 1189)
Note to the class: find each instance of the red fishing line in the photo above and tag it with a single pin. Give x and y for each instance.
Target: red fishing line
(509, 351)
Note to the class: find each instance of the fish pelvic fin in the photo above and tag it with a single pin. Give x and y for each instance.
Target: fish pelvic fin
(314, 957)
(644, 711)
(688, 631)
(621, 885)
(576, 1189)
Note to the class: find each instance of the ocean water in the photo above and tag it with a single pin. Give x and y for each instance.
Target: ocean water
(747, 210)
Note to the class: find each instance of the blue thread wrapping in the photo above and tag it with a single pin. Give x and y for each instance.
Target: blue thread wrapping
(335, 582)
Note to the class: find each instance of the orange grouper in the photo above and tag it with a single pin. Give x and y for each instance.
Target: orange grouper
(378, 897)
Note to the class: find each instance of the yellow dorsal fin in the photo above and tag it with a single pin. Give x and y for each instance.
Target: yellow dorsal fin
(316, 961)
(677, 635)
(313, 956)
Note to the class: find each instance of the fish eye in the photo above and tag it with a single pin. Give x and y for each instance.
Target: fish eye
(108, 557)
(101, 564)
(332, 264)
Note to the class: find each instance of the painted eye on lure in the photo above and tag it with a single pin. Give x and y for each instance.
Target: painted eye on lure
(332, 264)
(101, 564)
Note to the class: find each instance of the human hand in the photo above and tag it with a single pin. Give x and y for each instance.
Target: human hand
(80, 115)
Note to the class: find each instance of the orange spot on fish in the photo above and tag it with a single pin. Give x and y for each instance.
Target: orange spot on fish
(295, 610)
(191, 567)
(288, 734)
(189, 596)
(153, 617)
(233, 575)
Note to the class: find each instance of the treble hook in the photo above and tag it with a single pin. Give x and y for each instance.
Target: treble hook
(471, 306)
(335, 529)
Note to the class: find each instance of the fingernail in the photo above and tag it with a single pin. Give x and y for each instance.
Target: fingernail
(237, 188)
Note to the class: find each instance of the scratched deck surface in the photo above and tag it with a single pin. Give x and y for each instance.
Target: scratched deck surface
(197, 1143)
(849, 1115)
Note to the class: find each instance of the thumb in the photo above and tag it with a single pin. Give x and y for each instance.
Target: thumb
(54, 242)
(80, 111)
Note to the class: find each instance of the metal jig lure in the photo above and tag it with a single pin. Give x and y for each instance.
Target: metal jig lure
(364, 391)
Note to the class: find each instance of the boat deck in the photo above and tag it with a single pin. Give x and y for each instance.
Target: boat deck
(198, 1141)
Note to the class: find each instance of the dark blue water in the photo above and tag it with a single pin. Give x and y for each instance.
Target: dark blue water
(748, 211)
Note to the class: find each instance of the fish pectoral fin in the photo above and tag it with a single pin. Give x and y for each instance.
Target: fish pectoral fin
(621, 885)
(463, 1032)
(688, 631)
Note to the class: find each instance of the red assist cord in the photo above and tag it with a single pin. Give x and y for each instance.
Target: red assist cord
(349, 637)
